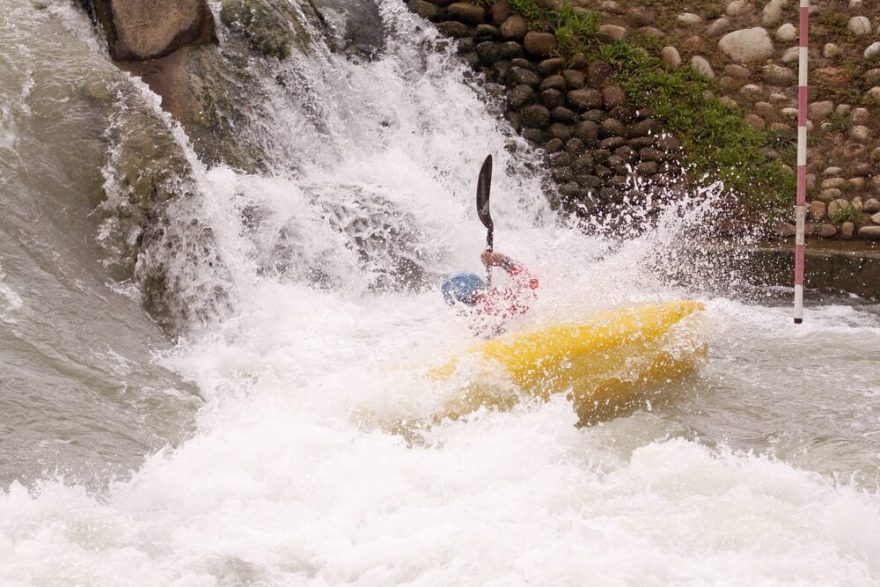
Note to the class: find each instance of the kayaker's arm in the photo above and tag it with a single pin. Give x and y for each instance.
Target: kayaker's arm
(514, 269)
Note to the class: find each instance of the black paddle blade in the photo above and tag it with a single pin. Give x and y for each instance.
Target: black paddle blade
(484, 185)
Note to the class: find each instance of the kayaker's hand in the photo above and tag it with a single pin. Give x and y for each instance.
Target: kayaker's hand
(491, 259)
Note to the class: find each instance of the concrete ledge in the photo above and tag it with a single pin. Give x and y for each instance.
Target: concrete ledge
(840, 267)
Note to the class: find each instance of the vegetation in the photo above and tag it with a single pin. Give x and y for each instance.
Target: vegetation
(717, 142)
(848, 214)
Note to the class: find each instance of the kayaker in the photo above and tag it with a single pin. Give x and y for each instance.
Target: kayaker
(490, 308)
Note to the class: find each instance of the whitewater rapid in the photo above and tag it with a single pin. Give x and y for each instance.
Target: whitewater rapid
(762, 469)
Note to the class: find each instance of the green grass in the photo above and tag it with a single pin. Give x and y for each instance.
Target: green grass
(848, 214)
(717, 142)
(575, 30)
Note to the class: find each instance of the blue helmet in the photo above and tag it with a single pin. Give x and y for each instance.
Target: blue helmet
(462, 287)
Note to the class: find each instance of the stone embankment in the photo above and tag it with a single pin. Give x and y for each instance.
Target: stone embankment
(596, 145)
(599, 149)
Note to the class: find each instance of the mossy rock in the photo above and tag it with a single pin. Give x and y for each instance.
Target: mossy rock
(271, 28)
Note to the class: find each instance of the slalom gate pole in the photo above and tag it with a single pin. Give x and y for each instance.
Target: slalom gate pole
(801, 205)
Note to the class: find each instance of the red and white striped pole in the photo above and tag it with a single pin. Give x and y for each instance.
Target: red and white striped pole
(801, 207)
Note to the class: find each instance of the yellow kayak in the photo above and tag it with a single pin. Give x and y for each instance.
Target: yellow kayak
(607, 364)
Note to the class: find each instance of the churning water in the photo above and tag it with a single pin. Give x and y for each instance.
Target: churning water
(253, 451)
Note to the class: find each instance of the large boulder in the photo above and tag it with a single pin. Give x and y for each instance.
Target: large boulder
(747, 45)
(172, 25)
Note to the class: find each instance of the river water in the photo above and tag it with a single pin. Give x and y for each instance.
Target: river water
(252, 450)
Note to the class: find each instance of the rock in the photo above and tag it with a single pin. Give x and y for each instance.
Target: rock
(752, 90)
(718, 27)
(652, 32)
(846, 230)
(836, 207)
(574, 79)
(587, 131)
(693, 44)
(500, 11)
(520, 96)
(765, 110)
(689, 18)
(611, 127)
(830, 194)
(611, 32)
(854, 150)
(755, 121)
(861, 169)
(737, 71)
(138, 30)
(535, 135)
(791, 55)
(563, 115)
(739, 8)
(652, 154)
(871, 206)
(486, 32)
(772, 13)
(820, 110)
(559, 159)
(489, 53)
(747, 45)
(785, 229)
(560, 131)
(875, 183)
(860, 116)
(872, 51)
(598, 73)
(511, 50)
(872, 77)
(860, 133)
(647, 168)
(640, 17)
(701, 66)
(551, 66)
(875, 155)
(551, 99)
(466, 12)
(832, 172)
(830, 51)
(523, 76)
(426, 10)
(553, 146)
(776, 75)
(671, 58)
(585, 99)
(833, 182)
(786, 33)
(514, 28)
(817, 210)
(642, 128)
(553, 82)
(859, 26)
(872, 96)
(833, 75)
(455, 29)
(611, 7)
(728, 84)
(875, 218)
(729, 102)
(613, 96)
(826, 230)
(535, 116)
(539, 44)
(870, 232)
